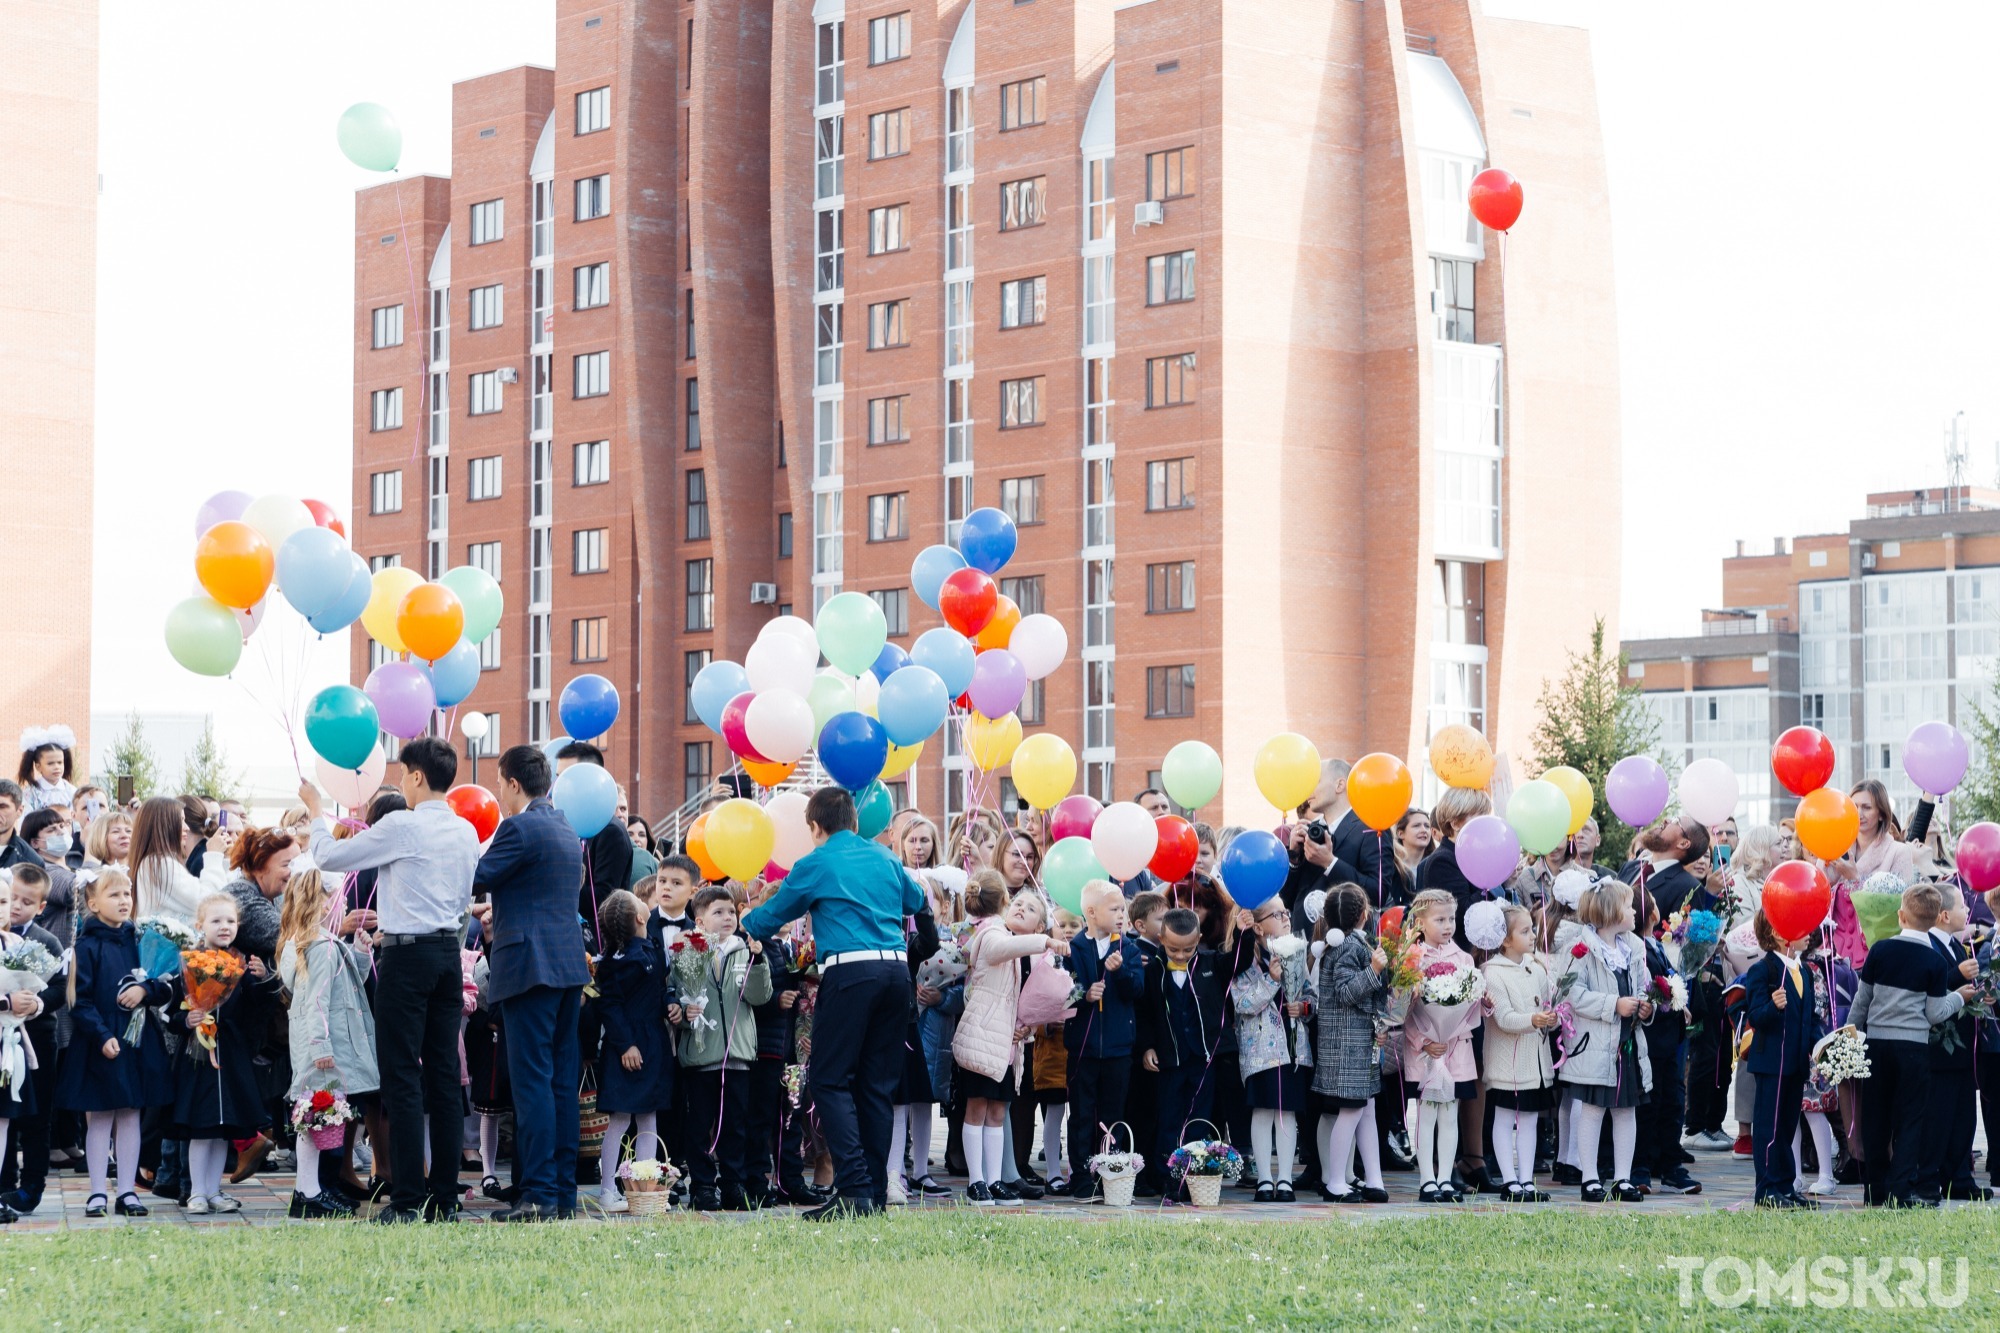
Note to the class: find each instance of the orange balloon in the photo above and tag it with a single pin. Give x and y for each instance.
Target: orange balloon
(998, 630)
(430, 621)
(766, 774)
(234, 564)
(1828, 823)
(697, 849)
(1379, 790)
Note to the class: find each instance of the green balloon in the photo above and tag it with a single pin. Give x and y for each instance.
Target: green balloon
(204, 637)
(480, 596)
(341, 726)
(829, 696)
(873, 808)
(1192, 774)
(852, 630)
(1539, 812)
(1069, 866)
(370, 137)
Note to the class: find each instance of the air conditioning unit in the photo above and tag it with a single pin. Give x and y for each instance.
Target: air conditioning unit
(1149, 214)
(509, 375)
(763, 594)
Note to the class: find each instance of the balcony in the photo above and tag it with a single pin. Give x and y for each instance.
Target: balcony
(1466, 434)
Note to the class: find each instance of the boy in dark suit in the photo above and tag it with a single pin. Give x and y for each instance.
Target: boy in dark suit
(1109, 968)
(1784, 1023)
(1953, 1107)
(1183, 1013)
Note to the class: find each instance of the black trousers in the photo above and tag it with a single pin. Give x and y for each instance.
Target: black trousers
(1097, 1087)
(718, 1126)
(1949, 1118)
(1660, 1133)
(29, 1134)
(1777, 1119)
(544, 1075)
(419, 998)
(1186, 1094)
(1707, 1083)
(774, 1131)
(1142, 1107)
(1986, 1072)
(1892, 1117)
(857, 1068)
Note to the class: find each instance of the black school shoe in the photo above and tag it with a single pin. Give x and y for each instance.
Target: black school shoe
(839, 1207)
(1564, 1174)
(1626, 1192)
(128, 1205)
(20, 1201)
(1285, 1192)
(1678, 1182)
(930, 1189)
(323, 1206)
(1969, 1193)
(1430, 1193)
(1592, 1192)
(1266, 1192)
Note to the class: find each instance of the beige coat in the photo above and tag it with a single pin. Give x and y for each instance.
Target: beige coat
(1517, 1052)
(984, 1042)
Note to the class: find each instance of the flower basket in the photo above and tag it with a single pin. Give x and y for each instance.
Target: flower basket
(327, 1138)
(322, 1117)
(648, 1183)
(1117, 1171)
(1204, 1191)
(1202, 1165)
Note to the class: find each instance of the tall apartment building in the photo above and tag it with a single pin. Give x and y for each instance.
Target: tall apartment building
(1187, 287)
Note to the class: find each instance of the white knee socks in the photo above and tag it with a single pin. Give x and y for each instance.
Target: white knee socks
(489, 1144)
(1514, 1145)
(1288, 1146)
(205, 1158)
(1263, 1143)
(999, 1147)
(1503, 1144)
(972, 1141)
(308, 1173)
(1566, 1130)
(615, 1125)
(1437, 1141)
(1369, 1142)
(920, 1140)
(1589, 1129)
(1624, 1139)
(1053, 1161)
(898, 1136)
(99, 1129)
(1589, 1133)
(1822, 1132)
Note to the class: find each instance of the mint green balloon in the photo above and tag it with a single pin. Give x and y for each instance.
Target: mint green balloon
(852, 630)
(829, 697)
(370, 137)
(480, 596)
(204, 637)
(1539, 813)
(1192, 774)
(1070, 865)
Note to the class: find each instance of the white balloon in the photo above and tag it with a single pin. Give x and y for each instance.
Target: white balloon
(780, 726)
(1040, 643)
(1709, 791)
(347, 787)
(248, 621)
(796, 627)
(473, 725)
(867, 690)
(781, 662)
(1124, 838)
(788, 816)
(277, 517)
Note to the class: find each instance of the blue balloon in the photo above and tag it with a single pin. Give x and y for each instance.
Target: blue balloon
(715, 685)
(853, 747)
(455, 675)
(912, 705)
(550, 749)
(873, 808)
(948, 653)
(933, 565)
(353, 600)
(587, 797)
(588, 707)
(987, 539)
(1253, 868)
(313, 569)
(888, 662)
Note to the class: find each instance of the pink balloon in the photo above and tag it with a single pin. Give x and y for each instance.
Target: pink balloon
(1073, 817)
(734, 734)
(403, 697)
(773, 872)
(1979, 856)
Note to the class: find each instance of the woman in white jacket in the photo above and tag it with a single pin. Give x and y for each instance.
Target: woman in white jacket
(161, 841)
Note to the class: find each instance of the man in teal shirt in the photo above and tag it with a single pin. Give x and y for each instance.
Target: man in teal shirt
(858, 895)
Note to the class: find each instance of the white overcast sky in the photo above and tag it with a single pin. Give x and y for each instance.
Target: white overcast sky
(1802, 200)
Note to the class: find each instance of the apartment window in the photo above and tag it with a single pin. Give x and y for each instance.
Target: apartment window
(588, 639)
(486, 222)
(958, 226)
(385, 493)
(385, 409)
(830, 152)
(687, 305)
(1170, 380)
(697, 506)
(827, 334)
(1020, 403)
(1023, 203)
(388, 326)
(590, 375)
(483, 478)
(886, 420)
(889, 38)
(784, 536)
(895, 604)
(1021, 500)
(1170, 484)
(1100, 298)
(1097, 402)
(695, 761)
(1170, 278)
(889, 517)
(378, 563)
(889, 324)
(1102, 201)
(958, 129)
(1170, 691)
(1170, 174)
(542, 224)
(693, 415)
(889, 133)
(592, 465)
(485, 556)
(1023, 301)
(1170, 587)
(489, 653)
(888, 229)
(958, 330)
(593, 286)
(1451, 298)
(1021, 103)
(587, 551)
(701, 594)
(593, 111)
(1458, 603)
(1026, 593)
(593, 198)
(482, 397)
(692, 665)
(484, 307)
(830, 272)
(1033, 708)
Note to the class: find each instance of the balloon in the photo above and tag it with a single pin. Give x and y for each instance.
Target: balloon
(788, 823)
(873, 809)
(987, 539)
(928, 570)
(1495, 198)
(313, 570)
(912, 704)
(1378, 788)
(714, 686)
(455, 675)
(370, 137)
(968, 600)
(1192, 774)
(948, 653)
(1636, 789)
(1576, 787)
(1461, 757)
(1069, 865)
(1006, 617)
(1074, 817)
(1802, 759)
(1287, 770)
(324, 517)
(588, 798)
(852, 630)
(997, 683)
(780, 726)
(553, 747)
(1539, 812)
(1177, 851)
(1041, 643)
(476, 806)
(352, 787)
(277, 517)
(1978, 856)
(900, 759)
(220, 508)
(234, 564)
(792, 627)
(1253, 867)
(782, 662)
(341, 726)
(388, 588)
(1935, 757)
(1827, 824)
(480, 596)
(1708, 791)
(430, 622)
(589, 706)
(1044, 769)
(991, 741)
(1124, 839)
(888, 662)
(831, 693)
(1488, 850)
(767, 772)
(353, 599)
(473, 726)
(697, 850)
(204, 637)
(735, 731)
(741, 837)
(853, 748)
(1797, 900)
(248, 621)
(403, 698)
(867, 693)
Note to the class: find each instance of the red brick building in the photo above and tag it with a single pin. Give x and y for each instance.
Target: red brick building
(1186, 286)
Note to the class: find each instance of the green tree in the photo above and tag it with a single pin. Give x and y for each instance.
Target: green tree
(1978, 796)
(132, 757)
(206, 771)
(1589, 720)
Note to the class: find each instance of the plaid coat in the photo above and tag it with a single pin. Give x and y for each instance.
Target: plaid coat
(1352, 996)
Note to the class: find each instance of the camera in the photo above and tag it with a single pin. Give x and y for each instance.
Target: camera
(1316, 831)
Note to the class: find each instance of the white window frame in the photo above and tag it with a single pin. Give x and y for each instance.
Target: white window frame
(592, 285)
(593, 110)
(590, 462)
(385, 492)
(483, 393)
(386, 327)
(482, 478)
(489, 221)
(385, 409)
(590, 374)
(889, 38)
(592, 199)
(590, 551)
(485, 307)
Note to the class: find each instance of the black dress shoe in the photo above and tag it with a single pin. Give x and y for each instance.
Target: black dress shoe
(1626, 1192)
(316, 1207)
(930, 1189)
(1372, 1193)
(1266, 1192)
(528, 1211)
(394, 1216)
(1029, 1189)
(1592, 1192)
(8, 1215)
(1963, 1193)
(1430, 1193)
(1564, 1174)
(1285, 1192)
(840, 1206)
(94, 1206)
(20, 1202)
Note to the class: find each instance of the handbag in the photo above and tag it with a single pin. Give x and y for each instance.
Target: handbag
(591, 1123)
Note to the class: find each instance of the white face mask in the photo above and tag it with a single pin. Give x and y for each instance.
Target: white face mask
(57, 846)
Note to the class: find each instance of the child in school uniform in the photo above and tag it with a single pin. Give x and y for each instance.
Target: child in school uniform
(1437, 1049)
(1519, 1073)
(331, 1030)
(1607, 1066)
(1347, 1066)
(216, 1097)
(27, 1112)
(1784, 1026)
(635, 1073)
(1099, 1039)
(1953, 1108)
(1048, 1067)
(1274, 1049)
(719, 990)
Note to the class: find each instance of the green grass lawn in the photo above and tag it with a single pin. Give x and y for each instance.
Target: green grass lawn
(966, 1269)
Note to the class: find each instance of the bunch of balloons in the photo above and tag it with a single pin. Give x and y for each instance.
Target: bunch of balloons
(246, 545)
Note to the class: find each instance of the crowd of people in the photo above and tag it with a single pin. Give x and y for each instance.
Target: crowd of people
(562, 1019)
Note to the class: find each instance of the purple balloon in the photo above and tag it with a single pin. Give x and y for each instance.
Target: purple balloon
(1636, 789)
(998, 682)
(403, 697)
(1935, 757)
(220, 508)
(1489, 851)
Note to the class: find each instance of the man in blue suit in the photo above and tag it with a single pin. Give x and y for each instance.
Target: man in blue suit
(536, 974)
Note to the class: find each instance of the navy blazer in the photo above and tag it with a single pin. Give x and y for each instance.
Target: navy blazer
(1783, 1038)
(1106, 1032)
(533, 870)
(1183, 1025)
(1959, 1057)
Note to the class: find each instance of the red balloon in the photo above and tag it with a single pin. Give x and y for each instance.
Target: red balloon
(1803, 760)
(1797, 899)
(476, 806)
(733, 734)
(969, 599)
(773, 872)
(1177, 850)
(324, 516)
(1073, 817)
(1979, 856)
(1495, 198)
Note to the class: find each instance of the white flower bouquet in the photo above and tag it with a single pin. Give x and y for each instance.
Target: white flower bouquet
(1841, 1054)
(1447, 984)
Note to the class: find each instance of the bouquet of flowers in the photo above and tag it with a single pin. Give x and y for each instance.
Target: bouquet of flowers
(210, 974)
(690, 964)
(1401, 976)
(162, 941)
(1446, 984)
(1841, 1054)
(1982, 1006)
(1876, 904)
(646, 1175)
(794, 1080)
(942, 968)
(24, 966)
(1699, 935)
(1206, 1157)
(1290, 951)
(805, 958)
(1112, 1164)
(324, 1116)
(1670, 993)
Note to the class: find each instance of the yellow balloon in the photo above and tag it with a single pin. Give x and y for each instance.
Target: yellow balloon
(1461, 757)
(385, 599)
(1576, 787)
(1044, 769)
(1287, 770)
(741, 838)
(991, 741)
(900, 759)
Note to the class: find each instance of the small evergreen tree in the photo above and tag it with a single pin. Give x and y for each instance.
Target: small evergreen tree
(1978, 796)
(1589, 720)
(206, 771)
(132, 757)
